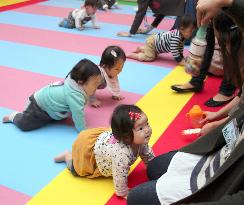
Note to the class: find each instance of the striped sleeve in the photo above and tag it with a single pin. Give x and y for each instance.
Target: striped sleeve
(176, 47)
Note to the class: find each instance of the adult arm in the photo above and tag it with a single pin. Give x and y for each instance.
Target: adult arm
(141, 12)
(157, 20)
(223, 112)
(155, 23)
(207, 9)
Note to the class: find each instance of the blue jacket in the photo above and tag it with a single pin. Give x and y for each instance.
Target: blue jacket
(62, 98)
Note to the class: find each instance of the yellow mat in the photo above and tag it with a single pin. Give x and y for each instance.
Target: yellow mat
(161, 105)
(10, 2)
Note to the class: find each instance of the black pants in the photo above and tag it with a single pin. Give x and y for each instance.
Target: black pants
(145, 193)
(32, 118)
(226, 87)
(101, 3)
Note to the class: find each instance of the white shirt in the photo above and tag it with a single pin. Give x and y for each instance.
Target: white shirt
(81, 17)
(175, 183)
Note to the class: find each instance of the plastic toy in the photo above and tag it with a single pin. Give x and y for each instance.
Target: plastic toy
(195, 115)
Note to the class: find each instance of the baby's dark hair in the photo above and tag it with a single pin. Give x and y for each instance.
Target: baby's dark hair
(121, 123)
(187, 21)
(230, 36)
(111, 55)
(83, 70)
(92, 3)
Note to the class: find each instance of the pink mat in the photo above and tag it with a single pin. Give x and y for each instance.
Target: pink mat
(24, 83)
(108, 17)
(12, 197)
(73, 42)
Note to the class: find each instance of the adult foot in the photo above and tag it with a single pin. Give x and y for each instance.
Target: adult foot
(218, 100)
(187, 87)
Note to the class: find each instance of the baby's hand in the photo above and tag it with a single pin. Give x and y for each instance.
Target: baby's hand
(182, 62)
(142, 31)
(81, 28)
(118, 97)
(123, 34)
(96, 27)
(96, 103)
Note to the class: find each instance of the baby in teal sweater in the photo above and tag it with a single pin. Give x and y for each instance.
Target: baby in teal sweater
(59, 100)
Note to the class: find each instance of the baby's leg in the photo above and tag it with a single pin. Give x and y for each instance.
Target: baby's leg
(32, 117)
(134, 56)
(65, 156)
(140, 49)
(9, 118)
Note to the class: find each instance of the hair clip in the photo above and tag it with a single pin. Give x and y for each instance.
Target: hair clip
(134, 115)
(233, 27)
(114, 54)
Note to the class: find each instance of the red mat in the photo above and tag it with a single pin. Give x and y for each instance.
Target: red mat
(172, 139)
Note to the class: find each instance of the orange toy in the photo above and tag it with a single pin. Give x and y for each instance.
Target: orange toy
(195, 116)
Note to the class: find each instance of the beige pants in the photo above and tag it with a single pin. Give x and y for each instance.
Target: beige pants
(149, 52)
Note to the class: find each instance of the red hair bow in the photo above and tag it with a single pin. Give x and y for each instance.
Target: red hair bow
(134, 115)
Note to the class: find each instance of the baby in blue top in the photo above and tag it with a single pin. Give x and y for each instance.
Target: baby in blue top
(58, 100)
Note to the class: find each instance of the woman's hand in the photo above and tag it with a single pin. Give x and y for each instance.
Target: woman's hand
(123, 34)
(209, 127)
(209, 116)
(207, 9)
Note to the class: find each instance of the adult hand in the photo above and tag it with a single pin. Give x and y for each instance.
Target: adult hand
(209, 116)
(207, 9)
(182, 62)
(145, 30)
(209, 127)
(123, 34)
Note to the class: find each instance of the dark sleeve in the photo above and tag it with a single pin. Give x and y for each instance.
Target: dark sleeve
(142, 10)
(103, 3)
(235, 199)
(208, 54)
(240, 92)
(157, 20)
(236, 12)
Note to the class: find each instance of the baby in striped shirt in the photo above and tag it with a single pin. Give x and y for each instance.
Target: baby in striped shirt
(165, 42)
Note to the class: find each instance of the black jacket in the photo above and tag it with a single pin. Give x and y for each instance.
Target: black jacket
(160, 8)
(227, 185)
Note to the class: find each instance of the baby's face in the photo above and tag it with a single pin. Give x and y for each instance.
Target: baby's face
(142, 130)
(91, 84)
(116, 69)
(91, 10)
(187, 32)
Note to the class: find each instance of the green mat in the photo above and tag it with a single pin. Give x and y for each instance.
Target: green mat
(129, 2)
